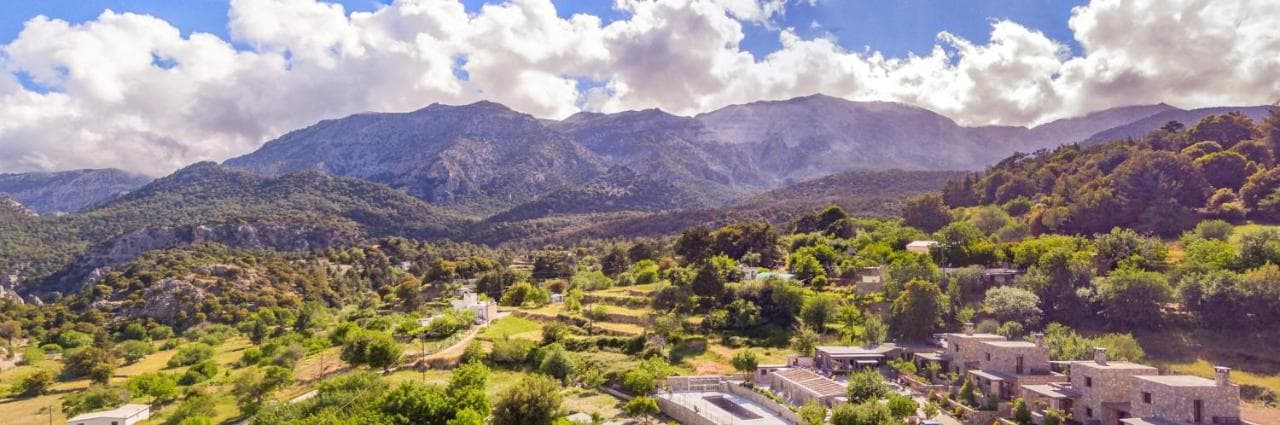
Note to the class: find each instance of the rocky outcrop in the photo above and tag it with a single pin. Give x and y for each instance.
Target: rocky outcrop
(167, 300)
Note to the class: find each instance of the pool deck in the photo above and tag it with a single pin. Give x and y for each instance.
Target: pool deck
(694, 400)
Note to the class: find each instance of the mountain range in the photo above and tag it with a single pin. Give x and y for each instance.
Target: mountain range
(485, 173)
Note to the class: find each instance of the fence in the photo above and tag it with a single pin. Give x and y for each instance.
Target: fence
(761, 399)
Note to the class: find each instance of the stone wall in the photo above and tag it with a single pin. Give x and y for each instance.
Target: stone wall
(682, 414)
(1005, 359)
(1110, 385)
(1175, 402)
(757, 398)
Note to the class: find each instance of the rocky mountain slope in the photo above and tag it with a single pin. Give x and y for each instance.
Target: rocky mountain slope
(68, 191)
(483, 159)
(479, 158)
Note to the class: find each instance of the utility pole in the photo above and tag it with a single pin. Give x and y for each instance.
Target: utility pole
(423, 360)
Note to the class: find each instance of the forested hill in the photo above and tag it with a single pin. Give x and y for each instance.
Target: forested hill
(209, 203)
(1223, 166)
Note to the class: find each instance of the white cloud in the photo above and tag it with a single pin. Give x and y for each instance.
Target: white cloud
(130, 91)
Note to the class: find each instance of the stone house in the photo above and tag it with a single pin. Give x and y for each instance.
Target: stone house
(1103, 387)
(869, 280)
(1184, 399)
(1005, 366)
(962, 351)
(1103, 392)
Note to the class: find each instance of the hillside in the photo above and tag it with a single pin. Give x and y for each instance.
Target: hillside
(1222, 166)
(209, 203)
(68, 191)
(1139, 128)
(620, 189)
(860, 193)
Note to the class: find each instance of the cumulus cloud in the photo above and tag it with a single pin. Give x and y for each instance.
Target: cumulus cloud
(130, 91)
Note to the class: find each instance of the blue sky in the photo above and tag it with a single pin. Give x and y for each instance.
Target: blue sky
(894, 27)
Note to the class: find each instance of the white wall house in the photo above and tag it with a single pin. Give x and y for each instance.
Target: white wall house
(128, 414)
(485, 310)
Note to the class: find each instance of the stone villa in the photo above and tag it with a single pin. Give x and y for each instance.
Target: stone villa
(1102, 392)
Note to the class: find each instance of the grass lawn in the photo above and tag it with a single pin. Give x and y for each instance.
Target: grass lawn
(514, 327)
(591, 401)
(624, 328)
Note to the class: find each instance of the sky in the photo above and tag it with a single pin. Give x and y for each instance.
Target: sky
(150, 86)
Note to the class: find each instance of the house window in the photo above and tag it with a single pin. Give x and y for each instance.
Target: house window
(1146, 397)
(1197, 410)
(1088, 382)
(1019, 368)
(957, 348)
(988, 356)
(1088, 412)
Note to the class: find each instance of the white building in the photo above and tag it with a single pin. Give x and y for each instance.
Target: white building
(128, 414)
(485, 310)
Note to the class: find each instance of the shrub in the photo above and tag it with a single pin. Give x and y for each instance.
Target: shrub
(191, 354)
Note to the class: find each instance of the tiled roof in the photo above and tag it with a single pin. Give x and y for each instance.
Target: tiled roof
(813, 382)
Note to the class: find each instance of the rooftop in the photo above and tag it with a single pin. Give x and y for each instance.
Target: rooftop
(126, 411)
(836, 350)
(1110, 365)
(974, 336)
(1052, 391)
(813, 382)
(922, 243)
(1180, 380)
(993, 375)
(1010, 344)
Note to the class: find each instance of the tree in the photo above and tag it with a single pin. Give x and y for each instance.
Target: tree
(926, 212)
(868, 413)
(805, 340)
(694, 244)
(1021, 414)
(467, 417)
(96, 397)
(1014, 304)
(644, 407)
(866, 385)
(1271, 129)
(1226, 129)
(10, 330)
(901, 406)
(1159, 188)
(252, 386)
(930, 409)
(191, 354)
(413, 403)
(134, 350)
(35, 383)
(709, 282)
(813, 413)
(644, 378)
(467, 388)
(93, 362)
(161, 387)
(195, 407)
(383, 352)
(1224, 169)
(819, 310)
(535, 400)
(1133, 299)
(745, 361)
(917, 311)
(805, 266)
(874, 331)
(556, 362)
